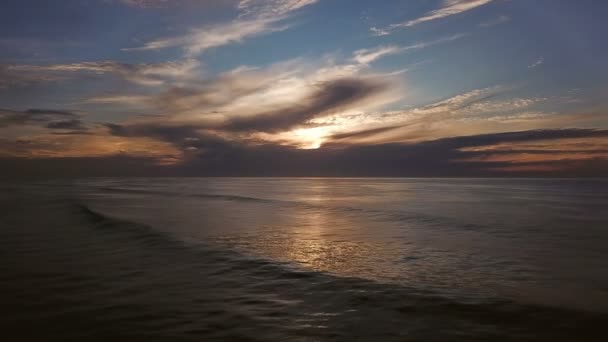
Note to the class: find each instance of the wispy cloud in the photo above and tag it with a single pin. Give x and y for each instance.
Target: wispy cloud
(131, 100)
(449, 8)
(256, 18)
(473, 112)
(162, 4)
(268, 8)
(280, 103)
(146, 3)
(9, 77)
(366, 56)
(496, 21)
(200, 40)
(153, 74)
(49, 118)
(266, 104)
(537, 63)
(231, 104)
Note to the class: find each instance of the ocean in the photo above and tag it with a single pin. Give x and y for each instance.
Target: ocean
(304, 259)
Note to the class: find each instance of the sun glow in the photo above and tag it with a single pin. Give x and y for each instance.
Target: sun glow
(311, 138)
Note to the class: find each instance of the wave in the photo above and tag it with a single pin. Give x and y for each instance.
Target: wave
(108, 278)
(137, 231)
(209, 196)
(274, 269)
(389, 215)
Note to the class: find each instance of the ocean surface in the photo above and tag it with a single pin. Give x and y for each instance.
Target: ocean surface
(304, 259)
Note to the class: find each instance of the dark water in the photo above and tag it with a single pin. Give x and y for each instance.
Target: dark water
(304, 260)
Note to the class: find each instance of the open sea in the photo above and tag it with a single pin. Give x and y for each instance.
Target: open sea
(304, 259)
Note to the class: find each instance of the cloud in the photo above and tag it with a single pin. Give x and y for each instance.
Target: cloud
(146, 3)
(361, 133)
(152, 74)
(376, 31)
(466, 104)
(495, 22)
(238, 90)
(34, 117)
(9, 77)
(266, 105)
(330, 97)
(94, 142)
(175, 134)
(65, 167)
(72, 124)
(202, 39)
(512, 117)
(449, 8)
(131, 100)
(487, 110)
(543, 150)
(290, 106)
(366, 56)
(287, 104)
(270, 100)
(268, 8)
(256, 18)
(537, 63)
(526, 136)
(236, 138)
(459, 156)
(243, 93)
(163, 4)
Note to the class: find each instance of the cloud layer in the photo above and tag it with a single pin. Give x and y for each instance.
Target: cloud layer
(256, 18)
(448, 8)
(324, 100)
(54, 119)
(151, 74)
(461, 156)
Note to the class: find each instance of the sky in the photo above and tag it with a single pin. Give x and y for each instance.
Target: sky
(303, 88)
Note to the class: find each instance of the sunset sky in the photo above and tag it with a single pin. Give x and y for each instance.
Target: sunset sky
(304, 87)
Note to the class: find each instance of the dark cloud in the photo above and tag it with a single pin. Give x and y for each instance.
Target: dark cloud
(362, 133)
(438, 158)
(183, 137)
(536, 151)
(212, 156)
(74, 132)
(484, 139)
(49, 112)
(73, 124)
(588, 167)
(531, 135)
(207, 93)
(330, 97)
(219, 91)
(34, 116)
(173, 134)
(119, 166)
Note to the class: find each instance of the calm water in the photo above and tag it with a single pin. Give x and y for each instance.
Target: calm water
(304, 259)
